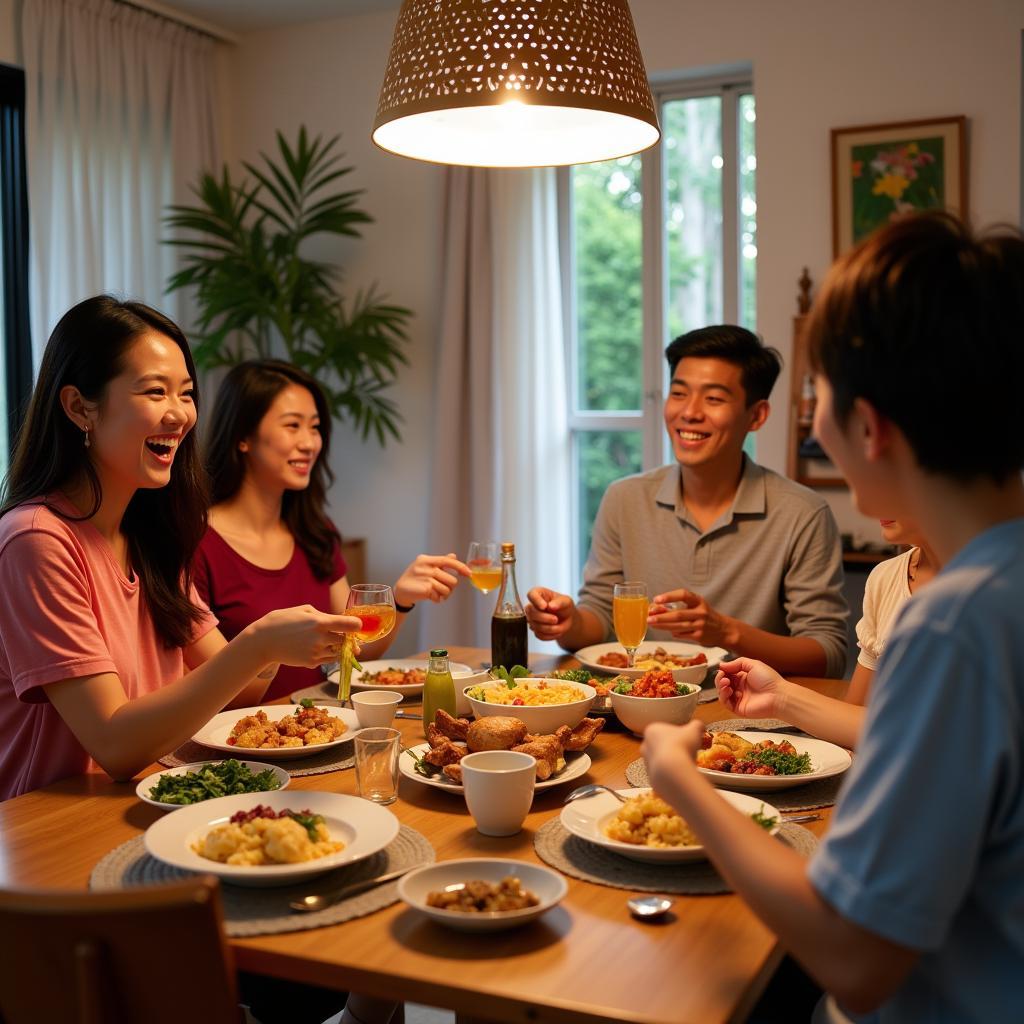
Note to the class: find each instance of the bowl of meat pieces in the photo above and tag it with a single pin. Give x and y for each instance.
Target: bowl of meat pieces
(477, 894)
(654, 697)
(450, 739)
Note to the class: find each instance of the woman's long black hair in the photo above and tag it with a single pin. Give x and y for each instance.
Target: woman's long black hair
(163, 525)
(245, 395)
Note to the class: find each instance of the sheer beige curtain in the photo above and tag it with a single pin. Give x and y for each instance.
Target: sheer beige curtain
(120, 120)
(501, 460)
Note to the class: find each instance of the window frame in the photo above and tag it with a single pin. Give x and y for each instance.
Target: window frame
(729, 87)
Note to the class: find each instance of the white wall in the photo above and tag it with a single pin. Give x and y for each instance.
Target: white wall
(818, 64)
(326, 75)
(823, 64)
(8, 49)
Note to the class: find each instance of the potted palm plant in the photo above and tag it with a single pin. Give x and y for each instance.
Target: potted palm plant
(256, 291)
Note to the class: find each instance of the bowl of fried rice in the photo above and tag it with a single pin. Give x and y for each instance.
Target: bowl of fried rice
(542, 704)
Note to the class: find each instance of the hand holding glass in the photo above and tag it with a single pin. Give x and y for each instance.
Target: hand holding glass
(374, 605)
(484, 565)
(629, 614)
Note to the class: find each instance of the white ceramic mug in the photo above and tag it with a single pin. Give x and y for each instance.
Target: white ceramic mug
(499, 789)
(375, 708)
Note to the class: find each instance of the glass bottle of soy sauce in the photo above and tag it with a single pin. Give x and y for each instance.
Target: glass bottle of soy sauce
(508, 624)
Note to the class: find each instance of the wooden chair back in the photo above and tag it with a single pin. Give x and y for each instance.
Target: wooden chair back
(148, 954)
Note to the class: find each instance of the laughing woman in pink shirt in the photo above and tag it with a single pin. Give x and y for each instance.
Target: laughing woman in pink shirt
(108, 658)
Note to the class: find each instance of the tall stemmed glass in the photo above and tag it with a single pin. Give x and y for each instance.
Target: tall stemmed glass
(374, 605)
(484, 565)
(629, 615)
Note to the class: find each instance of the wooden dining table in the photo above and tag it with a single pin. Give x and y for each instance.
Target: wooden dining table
(586, 960)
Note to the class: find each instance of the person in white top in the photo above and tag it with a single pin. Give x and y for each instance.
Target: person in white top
(889, 586)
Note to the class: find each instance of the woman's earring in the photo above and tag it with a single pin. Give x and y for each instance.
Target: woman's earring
(88, 442)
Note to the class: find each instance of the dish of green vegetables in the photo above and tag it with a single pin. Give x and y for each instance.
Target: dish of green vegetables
(206, 780)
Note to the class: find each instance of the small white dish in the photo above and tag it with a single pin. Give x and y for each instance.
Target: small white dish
(375, 709)
(463, 680)
(362, 680)
(217, 730)
(363, 827)
(540, 719)
(577, 763)
(587, 818)
(548, 886)
(827, 760)
(143, 788)
(695, 674)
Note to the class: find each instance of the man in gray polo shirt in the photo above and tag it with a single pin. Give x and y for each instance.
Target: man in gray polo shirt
(734, 555)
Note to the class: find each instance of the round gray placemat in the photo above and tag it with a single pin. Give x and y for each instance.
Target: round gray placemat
(316, 764)
(708, 695)
(576, 857)
(249, 911)
(755, 725)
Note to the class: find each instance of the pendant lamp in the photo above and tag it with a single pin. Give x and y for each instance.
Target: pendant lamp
(515, 83)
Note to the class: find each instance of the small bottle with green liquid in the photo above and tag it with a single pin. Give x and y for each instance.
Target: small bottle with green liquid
(438, 687)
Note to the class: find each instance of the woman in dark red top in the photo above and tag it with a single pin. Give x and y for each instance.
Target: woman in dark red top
(269, 543)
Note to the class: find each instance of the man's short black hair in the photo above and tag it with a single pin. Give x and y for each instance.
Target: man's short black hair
(759, 365)
(925, 321)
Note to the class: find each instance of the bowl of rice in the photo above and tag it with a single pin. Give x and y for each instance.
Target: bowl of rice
(541, 704)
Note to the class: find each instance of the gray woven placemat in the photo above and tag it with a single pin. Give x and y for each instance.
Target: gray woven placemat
(332, 760)
(708, 695)
(249, 911)
(808, 797)
(576, 857)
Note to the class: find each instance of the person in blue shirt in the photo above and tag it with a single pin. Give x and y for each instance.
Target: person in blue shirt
(912, 909)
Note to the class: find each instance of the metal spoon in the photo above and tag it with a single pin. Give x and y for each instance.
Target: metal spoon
(648, 907)
(590, 790)
(310, 904)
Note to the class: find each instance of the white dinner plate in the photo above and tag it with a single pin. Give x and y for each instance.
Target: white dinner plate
(363, 827)
(143, 788)
(548, 886)
(587, 656)
(359, 682)
(588, 817)
(826, 760)
(217, 730)
(577, 763)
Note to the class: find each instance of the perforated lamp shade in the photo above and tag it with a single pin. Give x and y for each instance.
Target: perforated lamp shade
(514, 83)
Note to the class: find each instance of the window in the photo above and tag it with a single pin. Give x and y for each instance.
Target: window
(653, 245)
(16, 366)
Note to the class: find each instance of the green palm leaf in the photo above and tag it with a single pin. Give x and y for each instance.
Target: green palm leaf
(256, 293)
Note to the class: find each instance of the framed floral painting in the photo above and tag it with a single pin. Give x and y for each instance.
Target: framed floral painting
(880, 171)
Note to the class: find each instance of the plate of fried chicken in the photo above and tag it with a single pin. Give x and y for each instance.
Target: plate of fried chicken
(560, 755)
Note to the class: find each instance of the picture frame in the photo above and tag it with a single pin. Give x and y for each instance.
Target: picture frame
(882, 170)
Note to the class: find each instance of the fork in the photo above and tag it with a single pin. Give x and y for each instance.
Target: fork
(590, 790)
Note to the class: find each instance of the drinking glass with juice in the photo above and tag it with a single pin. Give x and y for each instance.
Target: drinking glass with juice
(374, 605)
(484, 567)
(629, 616)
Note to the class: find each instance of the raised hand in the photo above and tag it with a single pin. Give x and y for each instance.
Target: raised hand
(670, 752)
(549, 613)
(750, 688)
(693, 619)
(430, 578)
